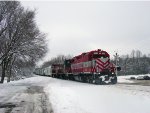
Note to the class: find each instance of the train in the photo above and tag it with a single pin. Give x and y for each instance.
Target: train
(89, 67)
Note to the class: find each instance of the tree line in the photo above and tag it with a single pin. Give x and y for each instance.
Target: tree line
(22, 44)
(59, 59)
(134, 63)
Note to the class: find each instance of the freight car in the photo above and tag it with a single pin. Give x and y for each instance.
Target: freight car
(91, 67)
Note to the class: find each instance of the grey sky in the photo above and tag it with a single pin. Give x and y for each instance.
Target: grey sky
(76, 27)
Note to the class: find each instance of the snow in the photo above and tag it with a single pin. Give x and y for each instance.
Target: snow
(126, 79)
(26, 95)
(76, 97)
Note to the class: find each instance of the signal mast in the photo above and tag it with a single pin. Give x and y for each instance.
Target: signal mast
(116, 61)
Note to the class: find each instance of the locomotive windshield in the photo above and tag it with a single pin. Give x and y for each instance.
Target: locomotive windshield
(99, 56)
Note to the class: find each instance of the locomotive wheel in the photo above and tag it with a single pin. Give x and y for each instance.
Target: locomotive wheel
(99, 81)
(83, 79)
(90, 81)
(114, 80)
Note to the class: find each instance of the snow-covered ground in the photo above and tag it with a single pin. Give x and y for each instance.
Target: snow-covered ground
(73, 97)
(24, 96)
(125, 79)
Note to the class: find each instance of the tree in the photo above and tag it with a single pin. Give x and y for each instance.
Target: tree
(138, 53)
(20, 38)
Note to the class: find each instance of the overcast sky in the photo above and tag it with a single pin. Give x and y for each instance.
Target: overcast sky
(76, 27)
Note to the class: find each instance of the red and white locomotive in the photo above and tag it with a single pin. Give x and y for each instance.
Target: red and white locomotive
(92, 67)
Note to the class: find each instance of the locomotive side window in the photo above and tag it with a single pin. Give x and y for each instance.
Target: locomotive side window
(87, 64)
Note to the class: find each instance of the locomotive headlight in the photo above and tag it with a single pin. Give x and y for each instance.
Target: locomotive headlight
(112, 72)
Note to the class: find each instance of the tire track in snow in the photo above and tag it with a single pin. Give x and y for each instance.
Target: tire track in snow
(31, 100)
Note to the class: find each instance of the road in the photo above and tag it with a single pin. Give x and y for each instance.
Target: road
(139, 82)
(24, 97)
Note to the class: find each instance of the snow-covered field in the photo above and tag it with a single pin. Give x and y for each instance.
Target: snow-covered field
(74, 97)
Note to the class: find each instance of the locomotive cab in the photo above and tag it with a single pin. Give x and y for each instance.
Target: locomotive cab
(102, 60)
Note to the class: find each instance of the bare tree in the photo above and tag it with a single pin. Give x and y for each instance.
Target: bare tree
(138, 53)
(21, 40)
(133, 54)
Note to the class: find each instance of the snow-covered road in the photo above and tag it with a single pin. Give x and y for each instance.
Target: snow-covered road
(24, 96)
(27, 96)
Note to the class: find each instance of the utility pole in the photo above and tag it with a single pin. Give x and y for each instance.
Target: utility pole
(116, 60)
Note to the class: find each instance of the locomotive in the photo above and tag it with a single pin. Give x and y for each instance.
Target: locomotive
(91, 67)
